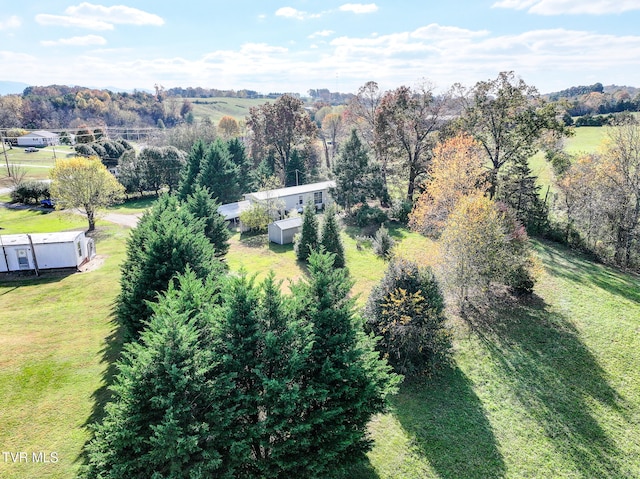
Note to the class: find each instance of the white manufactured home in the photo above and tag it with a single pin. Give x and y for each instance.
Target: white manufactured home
(36, 251)
(39, 138)
(283, 231)
(296, 197)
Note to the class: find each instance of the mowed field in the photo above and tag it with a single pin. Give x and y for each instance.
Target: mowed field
(544, 388)
(217, 107)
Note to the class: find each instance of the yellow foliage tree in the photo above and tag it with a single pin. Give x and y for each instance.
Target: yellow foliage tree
(229, 127)
(85, 184)
(482, 244)
(455, 172)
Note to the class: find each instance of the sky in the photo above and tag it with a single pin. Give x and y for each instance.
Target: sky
(298, 45)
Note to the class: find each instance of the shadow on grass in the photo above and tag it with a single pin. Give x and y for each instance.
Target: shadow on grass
(360, 470)
(568, 264)
(254, 240)
(449, 426)
(110, 354)
(554, 376)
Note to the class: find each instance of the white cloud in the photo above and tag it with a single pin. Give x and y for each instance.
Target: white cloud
(11, 22)
(322, 33)
(84, 41)
(118, 14)
(359, 8)
(98, 17)
(65, 21)
(435, 32)
(570, 7)
(290, 12)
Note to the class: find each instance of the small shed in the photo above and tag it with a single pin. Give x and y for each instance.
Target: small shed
(39, 138)
(283, 231)
(36, 251)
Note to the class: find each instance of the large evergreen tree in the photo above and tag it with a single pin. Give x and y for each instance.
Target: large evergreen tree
(219, 173)
(192, 169)
(308, 240)
(167, 240)
(348, 380)
(168, 416)
(295, 172)
(239, 157)
(330, 238)
(201, 206)
(350, 169)
(520, 191)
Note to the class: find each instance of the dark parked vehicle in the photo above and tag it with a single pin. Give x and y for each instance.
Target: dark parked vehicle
(48, 203)
(31, 149)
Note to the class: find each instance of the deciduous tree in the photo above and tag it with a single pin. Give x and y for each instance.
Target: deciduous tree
(406, 121)
(279, 128)
(483, 244)
(508, 118)
(86, 184)
(455, 172)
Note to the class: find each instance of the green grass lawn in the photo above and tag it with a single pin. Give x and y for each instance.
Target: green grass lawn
(53, 338)
(216, 108)
(586, 139)
(545, 388)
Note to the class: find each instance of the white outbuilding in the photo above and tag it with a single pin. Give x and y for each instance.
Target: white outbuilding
(36, 251)
(283, 231)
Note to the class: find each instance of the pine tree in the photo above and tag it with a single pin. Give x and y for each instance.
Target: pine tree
(264, 347)
(219, 173)
(167, 240)
(201, 206)
(191, 169)
(351, 172)
(519, 190)
(168, 415)
(308, 240)
(349, 381)
(295, 172)
(245, 165)
(330, 239)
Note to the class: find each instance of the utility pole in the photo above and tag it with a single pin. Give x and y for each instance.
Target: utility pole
(6, 160)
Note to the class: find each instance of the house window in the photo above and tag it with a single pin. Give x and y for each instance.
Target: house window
(317, 197)
(23, 260)
(79, 249)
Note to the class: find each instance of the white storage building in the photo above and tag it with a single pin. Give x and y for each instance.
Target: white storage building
(283, 231)
(36, 251)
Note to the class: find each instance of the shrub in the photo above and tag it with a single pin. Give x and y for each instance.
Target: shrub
(30, 191)
(366, 215)
(400, 210)
(406, 310)
(383, 242)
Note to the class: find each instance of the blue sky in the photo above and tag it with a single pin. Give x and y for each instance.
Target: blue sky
(296, 45)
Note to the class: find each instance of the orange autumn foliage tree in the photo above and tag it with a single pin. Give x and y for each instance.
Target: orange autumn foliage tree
(456, 171)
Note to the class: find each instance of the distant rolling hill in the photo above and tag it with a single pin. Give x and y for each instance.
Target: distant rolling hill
(217, 107)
